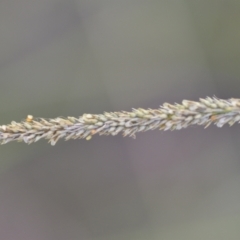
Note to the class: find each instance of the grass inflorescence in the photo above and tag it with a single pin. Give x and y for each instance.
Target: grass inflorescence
(166, 117)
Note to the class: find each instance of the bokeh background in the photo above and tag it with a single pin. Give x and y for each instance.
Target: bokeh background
(66, 58)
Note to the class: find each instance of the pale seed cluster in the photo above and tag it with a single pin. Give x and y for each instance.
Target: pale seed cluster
(167, 117)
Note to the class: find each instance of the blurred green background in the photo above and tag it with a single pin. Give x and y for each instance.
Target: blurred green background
(66, 58)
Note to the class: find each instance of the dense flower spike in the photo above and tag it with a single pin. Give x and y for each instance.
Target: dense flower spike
(167, 117)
